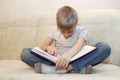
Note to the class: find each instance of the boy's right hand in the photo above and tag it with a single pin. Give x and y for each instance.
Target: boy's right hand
(52, 50)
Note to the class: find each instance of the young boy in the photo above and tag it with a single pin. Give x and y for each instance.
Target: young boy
(69, 39)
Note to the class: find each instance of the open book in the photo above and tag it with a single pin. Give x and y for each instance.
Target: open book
(85, 50)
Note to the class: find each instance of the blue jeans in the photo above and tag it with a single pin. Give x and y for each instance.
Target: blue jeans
(93, 58)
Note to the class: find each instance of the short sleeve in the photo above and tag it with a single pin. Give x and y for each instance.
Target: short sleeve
(82, 32)
(51, 34)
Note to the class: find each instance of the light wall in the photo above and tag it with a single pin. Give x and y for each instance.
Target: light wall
(13, 10)
(11, 7)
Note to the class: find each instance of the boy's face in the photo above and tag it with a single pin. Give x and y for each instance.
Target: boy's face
(68, 33)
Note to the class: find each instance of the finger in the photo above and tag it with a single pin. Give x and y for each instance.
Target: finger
(57, 66)
(52, 52)
(66, 65)
(55, 52)
(62, 64)
(49, 50)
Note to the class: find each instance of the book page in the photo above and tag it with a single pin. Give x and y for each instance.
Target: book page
(44, 54)
(85, 50)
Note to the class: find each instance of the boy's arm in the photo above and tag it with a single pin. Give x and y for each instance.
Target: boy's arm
(46, 43)
(46, 46)
(76, 47)
(64, 60)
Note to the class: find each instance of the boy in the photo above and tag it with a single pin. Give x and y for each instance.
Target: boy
(69, 39)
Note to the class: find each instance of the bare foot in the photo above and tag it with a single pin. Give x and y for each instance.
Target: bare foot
(70, 68)
(88, 69)
(37, 68)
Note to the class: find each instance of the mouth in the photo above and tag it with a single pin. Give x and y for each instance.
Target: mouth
(67, 36)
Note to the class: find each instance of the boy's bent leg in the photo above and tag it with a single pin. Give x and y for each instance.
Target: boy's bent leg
(105, 51)
(93, 58)
(35, 61)
(29, 58)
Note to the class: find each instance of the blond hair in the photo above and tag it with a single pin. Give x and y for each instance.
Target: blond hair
(66, 18)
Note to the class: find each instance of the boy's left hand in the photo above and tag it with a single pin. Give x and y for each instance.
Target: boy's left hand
(62, 62)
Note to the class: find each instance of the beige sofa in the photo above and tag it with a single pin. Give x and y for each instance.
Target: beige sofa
(23, 31)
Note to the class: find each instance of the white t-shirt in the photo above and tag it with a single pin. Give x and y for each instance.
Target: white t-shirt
(62, 44)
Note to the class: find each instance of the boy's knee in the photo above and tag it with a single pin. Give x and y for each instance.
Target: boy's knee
(105, 47)
(25, 53)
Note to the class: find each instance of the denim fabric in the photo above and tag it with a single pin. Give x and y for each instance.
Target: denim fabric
(30, 58)
(93, 58)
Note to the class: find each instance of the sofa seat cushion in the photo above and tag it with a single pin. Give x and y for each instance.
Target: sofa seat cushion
(17, 70)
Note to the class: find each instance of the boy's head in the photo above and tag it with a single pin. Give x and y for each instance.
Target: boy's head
(67, 19)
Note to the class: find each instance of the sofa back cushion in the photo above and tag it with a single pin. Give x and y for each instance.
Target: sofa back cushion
(18, 32)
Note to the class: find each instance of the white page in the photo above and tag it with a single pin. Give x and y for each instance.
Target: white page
(44, 54)
(85, 50)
